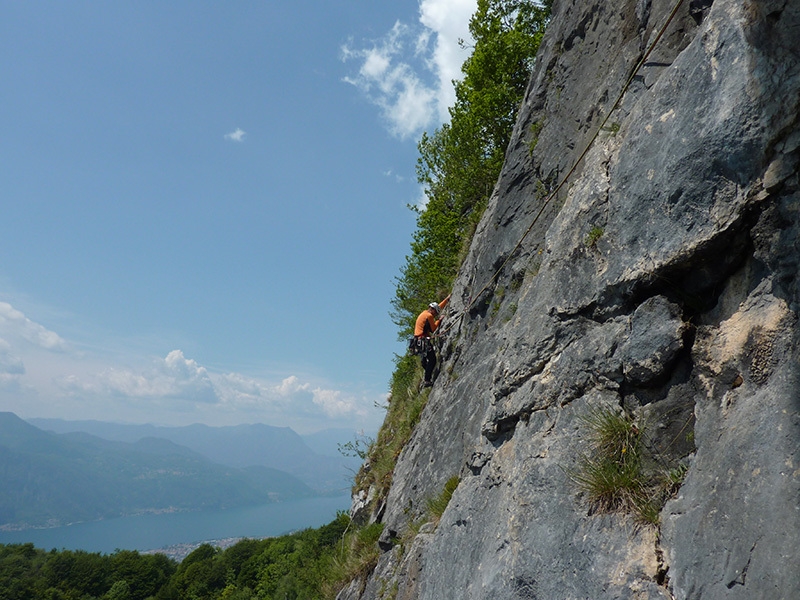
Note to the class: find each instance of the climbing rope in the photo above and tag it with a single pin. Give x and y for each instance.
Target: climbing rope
(565, 178)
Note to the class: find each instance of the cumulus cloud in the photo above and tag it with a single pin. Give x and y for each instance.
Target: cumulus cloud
(189, 380)
(10, 363)
(334, 403)
(291, 385)
(184, 369)
(173, 378)
(408, 73)
(13, 323)
(123, 382)
(42, 375)
(181, 385)
(237, 392)
(449, 20)
(236, 136)
(404, 99)
(290, 396)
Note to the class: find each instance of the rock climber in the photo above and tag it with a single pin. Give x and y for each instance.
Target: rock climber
(427, 322)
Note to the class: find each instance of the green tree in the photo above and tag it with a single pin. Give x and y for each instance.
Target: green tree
(77, 573)
(19, 572)
(121, 590)
(144, 575)
(460, 162)
(199, 575)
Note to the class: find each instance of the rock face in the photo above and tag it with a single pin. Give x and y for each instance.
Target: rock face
(661, 279)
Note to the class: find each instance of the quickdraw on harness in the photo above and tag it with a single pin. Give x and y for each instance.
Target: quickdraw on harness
(418, 345)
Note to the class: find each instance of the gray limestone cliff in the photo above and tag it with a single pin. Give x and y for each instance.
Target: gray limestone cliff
(661, 279)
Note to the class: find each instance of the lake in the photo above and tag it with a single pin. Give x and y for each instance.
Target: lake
(149, 532)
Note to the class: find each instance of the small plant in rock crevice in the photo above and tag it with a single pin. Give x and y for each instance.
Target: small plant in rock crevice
(610, 474)
(619, 472)
(499, 294)
(437, 505)
(595, 233)
(535, 130)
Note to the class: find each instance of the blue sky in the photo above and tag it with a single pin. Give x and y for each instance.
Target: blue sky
(204, 204)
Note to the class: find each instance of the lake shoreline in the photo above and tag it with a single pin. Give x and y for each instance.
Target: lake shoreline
(160, 532)
(178, 552)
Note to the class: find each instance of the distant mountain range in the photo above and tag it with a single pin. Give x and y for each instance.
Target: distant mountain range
(84, 471)
(314, 459)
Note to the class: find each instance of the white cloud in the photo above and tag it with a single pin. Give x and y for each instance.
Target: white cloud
(41, 375)
(174, 378)
(13, 323)
(412, 95)
(335, 403)
(403, 98)
(123, 382)
(177, 385)
(449, 20)
(290, 396)
(390, 173)
(10, 363)
(236, 136)
(376, 64)
(291, 385)
(183, 368)
(189, 380)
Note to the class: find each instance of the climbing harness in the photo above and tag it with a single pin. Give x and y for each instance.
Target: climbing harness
(419, 345)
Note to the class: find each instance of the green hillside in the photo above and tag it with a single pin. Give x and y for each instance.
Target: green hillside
(50, 479)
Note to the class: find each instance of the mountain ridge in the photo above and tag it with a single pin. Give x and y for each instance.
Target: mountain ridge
(237, 446)
(54, 479)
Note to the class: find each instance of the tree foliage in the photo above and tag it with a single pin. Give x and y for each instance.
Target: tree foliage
(460, 162)
(30, 573)
(297, 565)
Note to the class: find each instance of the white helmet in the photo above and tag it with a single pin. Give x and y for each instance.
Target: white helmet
(434, 306)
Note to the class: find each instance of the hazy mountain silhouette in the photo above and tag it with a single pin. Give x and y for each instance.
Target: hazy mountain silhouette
(323, 469)
(52, 479)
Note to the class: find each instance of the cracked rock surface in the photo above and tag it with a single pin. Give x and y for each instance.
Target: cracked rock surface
(662, 279)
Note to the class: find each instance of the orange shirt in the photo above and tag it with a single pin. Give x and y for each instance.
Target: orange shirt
(426, 317)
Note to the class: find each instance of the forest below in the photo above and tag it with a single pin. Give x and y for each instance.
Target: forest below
(306, 564)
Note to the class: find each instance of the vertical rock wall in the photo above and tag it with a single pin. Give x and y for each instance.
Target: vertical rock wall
(660, 279)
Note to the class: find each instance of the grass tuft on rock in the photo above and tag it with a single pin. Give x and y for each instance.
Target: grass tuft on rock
(619, 473)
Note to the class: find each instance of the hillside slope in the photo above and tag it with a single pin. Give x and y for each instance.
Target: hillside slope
(50, 479)
(237, 446)
(660, 280)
